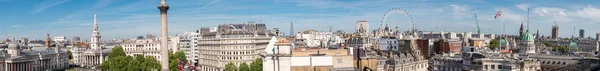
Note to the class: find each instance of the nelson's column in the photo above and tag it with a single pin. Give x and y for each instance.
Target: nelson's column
(163, 35)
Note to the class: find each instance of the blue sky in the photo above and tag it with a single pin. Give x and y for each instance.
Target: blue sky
(123, 18)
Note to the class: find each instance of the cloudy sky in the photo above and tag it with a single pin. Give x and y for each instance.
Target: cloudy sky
(128, 18)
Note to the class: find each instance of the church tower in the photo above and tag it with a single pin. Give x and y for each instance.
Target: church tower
(537, 34)
(48, 41)
(555, 31)
(95, 36)
(521, 30)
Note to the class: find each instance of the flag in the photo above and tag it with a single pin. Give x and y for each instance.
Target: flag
(498, 14)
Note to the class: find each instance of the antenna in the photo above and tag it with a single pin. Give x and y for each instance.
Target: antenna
(477, 23)
(573, 36)
(527, 19)
(5, 34)
(260, 20)
(503, 28)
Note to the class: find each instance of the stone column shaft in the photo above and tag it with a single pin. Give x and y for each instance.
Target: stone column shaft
(163, 7)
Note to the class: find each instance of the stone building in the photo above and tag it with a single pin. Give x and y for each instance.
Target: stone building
(483, 61)
(146, 47)
(188, 43)
(94, 54)
(408, 56)
(18, 57)
(527, 43)
(231, 43)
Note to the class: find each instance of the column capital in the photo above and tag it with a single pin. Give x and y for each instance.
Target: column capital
(163, 8)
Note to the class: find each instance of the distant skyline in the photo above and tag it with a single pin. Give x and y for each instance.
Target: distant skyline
(123, 18)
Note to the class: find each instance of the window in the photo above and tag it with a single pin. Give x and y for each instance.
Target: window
(493, 67)
(485, 66)
(499, 66)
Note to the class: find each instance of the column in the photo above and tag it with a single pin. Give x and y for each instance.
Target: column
(101, 58)
(87, 60)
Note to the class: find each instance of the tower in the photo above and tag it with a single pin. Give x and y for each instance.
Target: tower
(581, 33)
(94, 41)
(555, 31)
(47, 42)
(597, 36)
(521, 30)
(537, 34)
(163, 7)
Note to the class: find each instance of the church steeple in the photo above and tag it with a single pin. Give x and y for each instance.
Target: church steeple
(95, 35)
(537, 34)
(521, 30)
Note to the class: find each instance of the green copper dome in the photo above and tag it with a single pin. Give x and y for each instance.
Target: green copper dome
(503, 41)
(573, 44)
(527, 36)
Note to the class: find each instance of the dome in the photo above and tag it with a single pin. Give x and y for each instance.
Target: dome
(573, 45)
(527, 36)
(14, 45)
(503, 42)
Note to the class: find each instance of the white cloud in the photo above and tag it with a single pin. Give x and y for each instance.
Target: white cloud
(522, 6)
(15, 26)
(589, 12)
(546, 11)
(459, 10)
(47, 4)
(103, 3)
(215, 1)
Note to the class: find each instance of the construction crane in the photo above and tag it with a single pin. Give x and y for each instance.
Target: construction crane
(477, 23)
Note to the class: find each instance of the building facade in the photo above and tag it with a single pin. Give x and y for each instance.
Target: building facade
(94, 54)
(60, 39)
(231, 43)
(188, 43)
(318, 39)
(408, 57)
(146, 47)
(16, 58)
(527, 44)
(362, 26)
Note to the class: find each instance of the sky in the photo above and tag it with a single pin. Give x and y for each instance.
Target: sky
(129, 18)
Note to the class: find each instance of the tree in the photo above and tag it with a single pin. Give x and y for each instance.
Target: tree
(256, 65)
(244, 67)
(548, 44)
(116, 51)
(133, 65)
(174, 60)
(151, 63)
(117, 61)
(562, 49)
(494, 44)
(70, 54)
(230, 67)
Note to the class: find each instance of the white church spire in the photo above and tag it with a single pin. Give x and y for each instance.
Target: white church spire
(95, 36)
